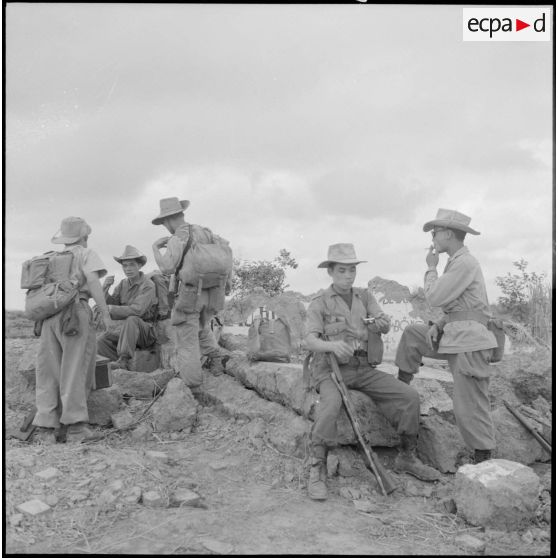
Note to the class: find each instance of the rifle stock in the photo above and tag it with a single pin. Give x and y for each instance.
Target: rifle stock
(371, 460)
(533, 432)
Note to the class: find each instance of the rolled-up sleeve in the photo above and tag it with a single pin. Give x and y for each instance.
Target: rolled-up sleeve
(314, 318)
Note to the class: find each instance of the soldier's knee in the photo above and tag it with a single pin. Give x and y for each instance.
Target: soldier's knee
(133, 320)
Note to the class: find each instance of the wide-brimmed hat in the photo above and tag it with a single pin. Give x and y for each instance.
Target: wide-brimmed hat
(341, 253)
(170, 206)
(71, 230)
(450, 219)
(131, 253)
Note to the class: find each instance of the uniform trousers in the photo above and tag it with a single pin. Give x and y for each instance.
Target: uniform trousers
(398, 402)
(470, 370)
(135, 333)
(65, 370)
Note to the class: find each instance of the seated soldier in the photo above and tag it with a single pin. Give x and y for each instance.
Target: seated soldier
(338, 322)
(134, 300)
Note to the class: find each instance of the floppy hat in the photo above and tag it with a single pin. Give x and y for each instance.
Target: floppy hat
(71, 230)
(341, 253)
(170, 206)
(131, 253)
(451, 219)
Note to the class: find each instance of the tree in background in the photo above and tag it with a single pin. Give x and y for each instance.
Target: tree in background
(527, 299)
(266, 278)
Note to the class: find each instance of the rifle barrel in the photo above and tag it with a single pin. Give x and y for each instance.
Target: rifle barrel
(533, 432)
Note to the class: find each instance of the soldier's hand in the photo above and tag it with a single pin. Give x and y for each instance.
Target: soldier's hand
(109, 280)
(341, 349)
(383, 322)
(161, 242)
(432, 336)
(432, 258)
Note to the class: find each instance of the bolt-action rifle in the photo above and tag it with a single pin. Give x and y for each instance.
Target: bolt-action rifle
(533, 432)
(371, 460)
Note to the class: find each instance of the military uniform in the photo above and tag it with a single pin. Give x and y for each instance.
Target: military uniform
(466, 344)
(66, 363)
(328, 314)
(136, 304)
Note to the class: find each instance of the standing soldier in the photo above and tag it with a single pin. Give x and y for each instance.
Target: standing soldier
(195, 306)
(66, 359)
(134, 301)
(461, 337)
(341, 315)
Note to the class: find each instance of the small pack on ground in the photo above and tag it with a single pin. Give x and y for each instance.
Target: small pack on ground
(49, 287)
(269, 339)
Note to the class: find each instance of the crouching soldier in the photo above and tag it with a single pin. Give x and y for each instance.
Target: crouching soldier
(134, 301)
(337, 323)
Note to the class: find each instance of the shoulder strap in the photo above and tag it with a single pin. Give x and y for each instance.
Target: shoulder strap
(186, 248)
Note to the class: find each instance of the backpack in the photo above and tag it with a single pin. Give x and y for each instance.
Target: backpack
(206, 263)
(164, 298)
(50, 289)
(269, 339)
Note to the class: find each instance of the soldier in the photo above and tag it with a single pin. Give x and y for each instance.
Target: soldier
(66, 359)
(134, 301)
(194, 306)
(461, 337)
(340, 313)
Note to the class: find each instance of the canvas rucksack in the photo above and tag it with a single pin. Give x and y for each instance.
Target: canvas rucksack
(49, 287)
(207, 259)
(164, 299)
(269, 339)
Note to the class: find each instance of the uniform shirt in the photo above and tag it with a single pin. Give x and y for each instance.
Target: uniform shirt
(329, 309)
(133, 299)
(461, 287)
(85, 261)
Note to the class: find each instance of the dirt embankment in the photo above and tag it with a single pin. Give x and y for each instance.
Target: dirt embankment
(133, 495)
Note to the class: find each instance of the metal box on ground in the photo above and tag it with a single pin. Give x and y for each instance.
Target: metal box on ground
(103, 378)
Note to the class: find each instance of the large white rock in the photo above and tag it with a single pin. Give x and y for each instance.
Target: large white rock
(176, 409)
(498, 493)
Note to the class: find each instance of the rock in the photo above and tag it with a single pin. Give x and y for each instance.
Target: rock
(176, 409)
(469, 542)
(439, 443)
(48, 474)
(153, 499)
(122, 419)
(527, 537)
(116, 486)
(185, 497)
(102, 403)
(366, 506)
(531, 384)
(449, 506)
(158, 456)
(79, 496)
(16, 519)
(540, 534)
(133, 495)
(217, 546)
(350, 493)
(23, 459)
(145, 360)
(51, 500)
(332, 464)
(27, 364)
(33, 507)
(496, 493)
(218, 465)
(432, 396)
(513, 441)
(142, 432)
(107, 497)
(141, 384)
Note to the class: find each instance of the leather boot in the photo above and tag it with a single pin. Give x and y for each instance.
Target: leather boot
(481, 455)
(405, 377)
(408, 462)
(317, 489)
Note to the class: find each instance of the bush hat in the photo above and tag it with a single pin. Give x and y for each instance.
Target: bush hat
(451, 219)
(71, 230)
(131, 253)
(170, 206)
(341, 253)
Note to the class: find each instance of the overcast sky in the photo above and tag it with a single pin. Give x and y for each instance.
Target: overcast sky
(287, 126)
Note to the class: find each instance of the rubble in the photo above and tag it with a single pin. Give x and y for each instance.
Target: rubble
(33, 507)
(468, 542)
(153, 499)
(496, 493)
(184, 497)
(176, 409)
(102, 404)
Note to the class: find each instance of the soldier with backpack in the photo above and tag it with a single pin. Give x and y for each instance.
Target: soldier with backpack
(134, 301)
(341, 320)
(200, 265)
(67, 348)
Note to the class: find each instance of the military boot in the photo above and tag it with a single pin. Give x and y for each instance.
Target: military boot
(317, 489)
(405, 377)
(408, 462)
(481, 455)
